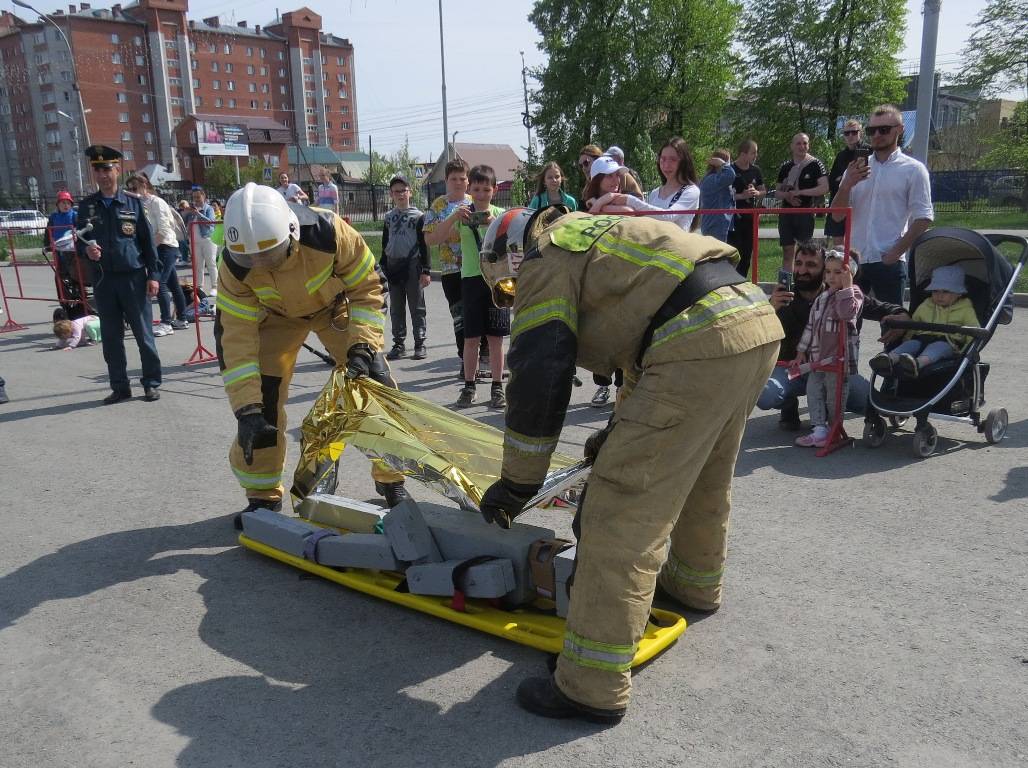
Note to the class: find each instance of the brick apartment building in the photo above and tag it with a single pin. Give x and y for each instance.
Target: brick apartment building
(143, 69)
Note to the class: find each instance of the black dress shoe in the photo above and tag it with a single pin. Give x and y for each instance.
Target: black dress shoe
(237, 518)
(151, 393)
(393, 493)
(117, 396)
(540, 696)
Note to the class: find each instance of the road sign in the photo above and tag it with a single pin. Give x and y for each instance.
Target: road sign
(267, 174)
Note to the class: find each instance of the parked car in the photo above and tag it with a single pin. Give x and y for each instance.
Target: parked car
(26, 220)
(1008, 192)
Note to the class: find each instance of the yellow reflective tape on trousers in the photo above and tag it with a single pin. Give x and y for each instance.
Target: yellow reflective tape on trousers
(597, 655)
(529, 446)
(237, 308)
(319, 279)
(684, 576)
(541, 313)
(706, 311)
(240, 372)
(640, 255)
(257, 482)
(361, 271)
(363, 316)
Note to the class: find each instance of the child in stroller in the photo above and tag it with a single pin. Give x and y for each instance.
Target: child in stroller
(948, 305)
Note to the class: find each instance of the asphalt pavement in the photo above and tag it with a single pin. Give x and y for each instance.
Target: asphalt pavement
(875, 603)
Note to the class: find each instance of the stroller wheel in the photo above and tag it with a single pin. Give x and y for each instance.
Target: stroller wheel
(898, 421)
(995, 426)
(874, 432)
(925, 440)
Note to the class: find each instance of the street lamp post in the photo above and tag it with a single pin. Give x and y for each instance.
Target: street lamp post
(78, 149)
(442, 64)
(453, 145)
(74, 69)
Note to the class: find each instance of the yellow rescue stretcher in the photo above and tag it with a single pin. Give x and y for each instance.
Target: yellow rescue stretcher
(454, 455)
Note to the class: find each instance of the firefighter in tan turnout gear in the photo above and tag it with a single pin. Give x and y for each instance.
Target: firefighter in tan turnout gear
(288, 270)
(697, 344)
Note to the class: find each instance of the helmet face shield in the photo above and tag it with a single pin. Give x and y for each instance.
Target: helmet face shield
(502, 253)
(273, 258)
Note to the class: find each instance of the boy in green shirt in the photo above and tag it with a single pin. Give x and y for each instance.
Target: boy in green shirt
(481, 317)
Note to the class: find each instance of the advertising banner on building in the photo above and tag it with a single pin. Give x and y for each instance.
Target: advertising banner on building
(215, 138)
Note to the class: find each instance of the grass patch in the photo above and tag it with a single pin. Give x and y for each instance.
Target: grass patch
(971, 220)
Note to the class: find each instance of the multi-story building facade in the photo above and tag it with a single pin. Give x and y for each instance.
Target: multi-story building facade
(142, 69)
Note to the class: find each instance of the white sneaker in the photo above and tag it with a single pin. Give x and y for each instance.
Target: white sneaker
(163, 329)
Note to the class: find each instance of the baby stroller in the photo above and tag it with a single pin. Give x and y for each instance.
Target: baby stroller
(953, 388)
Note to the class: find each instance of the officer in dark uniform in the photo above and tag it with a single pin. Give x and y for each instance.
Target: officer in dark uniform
(125, 273)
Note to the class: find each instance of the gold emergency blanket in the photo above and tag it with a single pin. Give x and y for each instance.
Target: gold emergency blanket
(451, 453)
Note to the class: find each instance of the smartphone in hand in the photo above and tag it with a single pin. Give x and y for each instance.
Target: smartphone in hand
(478, 218)
(863, 155)
(785, 279)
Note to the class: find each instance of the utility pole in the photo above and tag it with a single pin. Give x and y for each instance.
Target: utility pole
(926, 80)
(526, 116)
(78, 149)
(442, 62)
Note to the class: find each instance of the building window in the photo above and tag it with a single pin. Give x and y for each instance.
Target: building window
(193, 64)
(176, 101)
(282, 90)
(342, 93)
(218, 102)
(344, 110)
(199, 101)
(140, 61)
(263, 53)
(281, 72)
(230, 85)
(212, 48)
(121, 98)
(119, 78)
(249, 68)
(192, 137)
(228, 67)
(146, 98)
(264, 71)
(208, 162)
(226, 48)
(58, 174)
(196, 83)
(214, 66)
(216, 85)
(252, 87)
(346, 125)
(141, 79)
(126, 136)
(267, 106)
(137, 41)
(123, 117)
(175, 82)
(347, 142)
(115, 57)
(281, 55)
(265, 88)
(310, 110)
(308, 78)
(284, 107)
(249, 52)
(127, 154)
(340, 61)
(231, 103)
(253, 104)
(114, 39)
(148, 137)
(308, 62)
(146, 117)
(150, 156)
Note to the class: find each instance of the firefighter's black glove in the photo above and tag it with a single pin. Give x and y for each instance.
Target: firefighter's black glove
(595, 441)
(253, 428)
(504, 500)
(358, 361)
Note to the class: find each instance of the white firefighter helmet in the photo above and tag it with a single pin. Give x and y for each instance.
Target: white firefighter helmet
(258, 227)
(503, 250)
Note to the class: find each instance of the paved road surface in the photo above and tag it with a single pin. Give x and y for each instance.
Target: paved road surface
(875, 607)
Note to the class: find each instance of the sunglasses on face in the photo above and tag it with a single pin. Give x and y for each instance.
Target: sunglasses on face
(850, 133)
(881, 130)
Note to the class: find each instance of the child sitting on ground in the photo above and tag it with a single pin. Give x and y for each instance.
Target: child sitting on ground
(839, 303)
(81, 332)
(947, 305)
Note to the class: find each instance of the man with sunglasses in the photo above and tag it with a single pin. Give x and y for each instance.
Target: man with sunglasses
(852, 133)
(891, 198)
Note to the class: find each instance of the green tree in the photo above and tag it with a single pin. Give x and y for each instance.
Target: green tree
(631, 74)
(996, 61)
(810, 62)
(220, 178)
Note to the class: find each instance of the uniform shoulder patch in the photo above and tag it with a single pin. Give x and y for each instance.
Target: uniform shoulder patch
(579, 233)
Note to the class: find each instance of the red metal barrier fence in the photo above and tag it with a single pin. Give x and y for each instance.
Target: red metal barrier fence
(198, 243)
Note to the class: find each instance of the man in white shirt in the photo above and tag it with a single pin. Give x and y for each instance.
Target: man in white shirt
(891, 198)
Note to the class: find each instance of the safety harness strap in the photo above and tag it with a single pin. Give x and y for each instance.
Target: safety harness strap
(459, 600)
(706, 277)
